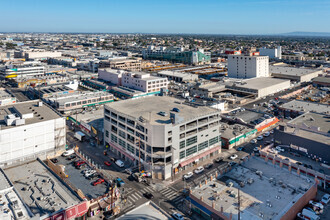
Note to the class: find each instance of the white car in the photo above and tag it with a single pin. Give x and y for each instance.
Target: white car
(316, 204)
(188, 175)
(119, 163)
(233, 157)
(266, 134)
(259, 138)
(199, 170)
(279, 149)
(325, 199)
(256, 149)
(177, 216)
(253, 141)
(272, 131)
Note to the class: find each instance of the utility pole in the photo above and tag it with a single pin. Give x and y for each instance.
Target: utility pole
(239, 206)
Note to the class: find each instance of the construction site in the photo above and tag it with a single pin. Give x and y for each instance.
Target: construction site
(253, 190)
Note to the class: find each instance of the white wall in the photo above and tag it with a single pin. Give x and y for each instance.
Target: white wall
(248, 66)
(112, 77)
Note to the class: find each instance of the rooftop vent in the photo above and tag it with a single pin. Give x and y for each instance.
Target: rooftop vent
(39, 104)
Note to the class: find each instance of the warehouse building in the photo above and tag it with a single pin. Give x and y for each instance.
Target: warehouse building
(178, 76)
(168, 136)
(294, 74)
(259, 87)
(298, 107)
(29, 130)
(123, 63)
(6, 98)
(321, 81)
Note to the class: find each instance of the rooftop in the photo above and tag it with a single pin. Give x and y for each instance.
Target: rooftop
(322, 79)
(40, 190)
(77, 96)
(267, 197)
(292, 71)
(18, 110)
(12, 207)
(149, 107)
(303, 106)
(147, 211)
(4, 94)
(258, 83)
(313, 121)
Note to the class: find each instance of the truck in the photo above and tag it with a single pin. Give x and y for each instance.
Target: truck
(309, 214)
(80, 135)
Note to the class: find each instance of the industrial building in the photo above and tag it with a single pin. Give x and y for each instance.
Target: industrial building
(123, 63)
(308, 134)
(66, 103)
(275, 53)
(135, 80)
(298, 107)
(177, 76)
(36, 54)
(43, 194)
(242, 66)
(6, 98)
(321, 81)
(259, 87)
(294, 74)
(164, 134)
(177, 55)
(29, 130)
(260, 188)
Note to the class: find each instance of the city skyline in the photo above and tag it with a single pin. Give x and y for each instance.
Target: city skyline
(186, 17)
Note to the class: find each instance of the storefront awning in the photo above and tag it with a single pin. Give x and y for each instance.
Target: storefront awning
(122, 151)
(184, 163)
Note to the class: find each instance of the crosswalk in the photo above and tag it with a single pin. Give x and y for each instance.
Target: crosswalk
(137, 195)
(172, 194)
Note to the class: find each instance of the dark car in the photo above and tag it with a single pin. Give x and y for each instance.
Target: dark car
(176, 110)
(148, 195)
(218, 160)
(71, 157)
(54, 160)
(208, 166)
(299, 163)
(240, 149)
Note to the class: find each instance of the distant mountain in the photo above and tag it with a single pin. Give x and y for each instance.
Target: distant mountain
(307, 34)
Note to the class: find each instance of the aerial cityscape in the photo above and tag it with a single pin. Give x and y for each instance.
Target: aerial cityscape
(159, 110)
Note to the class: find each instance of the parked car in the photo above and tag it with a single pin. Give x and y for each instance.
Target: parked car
(176, 110)
(240, 148)
(232, 163)
(272, 131)
(253, 141)
(208, 166)
(218, 160)
(54, 160)
(107, 163)
(71, 157)
(119, 163)
(299, 163)
(199, 170)
(188, 175)
(92, 176)
(259, 138)
(87, 174)
(233, 157)
(266, 134)
(278, 148)
(80, 162)
(325, 199)
(316, 204)
(113, 159)
(148, 195)
(98, 181)
(256, 149)
(177, 216)
(129, 171)
(68, 153)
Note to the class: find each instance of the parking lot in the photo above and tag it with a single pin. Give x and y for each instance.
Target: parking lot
(76, 177)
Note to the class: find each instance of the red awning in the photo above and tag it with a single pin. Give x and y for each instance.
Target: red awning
(122, 151)
(184, 163)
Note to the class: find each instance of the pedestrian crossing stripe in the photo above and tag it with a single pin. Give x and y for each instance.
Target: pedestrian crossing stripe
(135, 196)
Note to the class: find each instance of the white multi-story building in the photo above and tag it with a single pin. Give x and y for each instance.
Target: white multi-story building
(135, 80)
(166, 135)
(23, 70)
(275, 53)
(241, 66)
(29, 130)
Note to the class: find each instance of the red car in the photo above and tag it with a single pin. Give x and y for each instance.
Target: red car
(97, 182)
(78, 163)
(107, 163)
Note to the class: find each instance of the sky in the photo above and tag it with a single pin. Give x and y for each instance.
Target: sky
(161, 16)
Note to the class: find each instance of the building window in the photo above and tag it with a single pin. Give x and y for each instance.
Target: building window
(107, 133)
(107, 111)
(182, 154)
(213, 141)
(203, 145)
(191, 140)
(113, 138)
(122, 143)
(191, 150)
(182, 144)
(122, 134)
(130, 148)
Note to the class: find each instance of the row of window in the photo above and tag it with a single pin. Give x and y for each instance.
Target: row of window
(88, 101)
